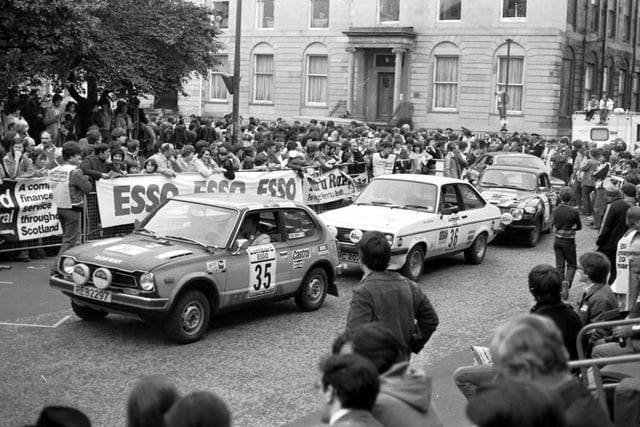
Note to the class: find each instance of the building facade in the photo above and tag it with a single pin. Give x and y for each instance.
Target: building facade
(438, 63)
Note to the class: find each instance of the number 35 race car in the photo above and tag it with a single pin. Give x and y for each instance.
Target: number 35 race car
(202, 254)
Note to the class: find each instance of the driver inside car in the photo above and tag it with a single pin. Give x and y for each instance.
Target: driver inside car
(249, 230)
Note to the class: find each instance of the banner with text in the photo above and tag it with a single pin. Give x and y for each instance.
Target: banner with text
(27, 210)
(383, 166)
(123, 200)
(329, 187)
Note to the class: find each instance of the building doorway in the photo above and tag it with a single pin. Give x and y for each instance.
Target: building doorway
(384, 109)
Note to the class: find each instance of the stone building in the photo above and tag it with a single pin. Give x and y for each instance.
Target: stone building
(439, 63)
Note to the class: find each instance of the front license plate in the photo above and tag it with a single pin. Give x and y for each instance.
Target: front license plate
(350, 257)
(92, 293)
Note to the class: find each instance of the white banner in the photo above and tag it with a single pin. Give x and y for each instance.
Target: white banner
(123, 200)
(329, 187)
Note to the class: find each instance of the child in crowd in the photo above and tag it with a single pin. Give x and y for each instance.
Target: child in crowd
(566, 220)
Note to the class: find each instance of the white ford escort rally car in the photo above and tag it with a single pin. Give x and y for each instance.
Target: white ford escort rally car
(423, 217)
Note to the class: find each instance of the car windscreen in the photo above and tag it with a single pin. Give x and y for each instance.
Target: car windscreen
(403, 194)
(525, 161)
(210, 225)
(519, 180)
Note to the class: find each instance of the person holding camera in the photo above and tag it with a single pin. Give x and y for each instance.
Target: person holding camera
(388, 297)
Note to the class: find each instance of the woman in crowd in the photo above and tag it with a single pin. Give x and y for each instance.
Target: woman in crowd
(16, 163)
(205, 164)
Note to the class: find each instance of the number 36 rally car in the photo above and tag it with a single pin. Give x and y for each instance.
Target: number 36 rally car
(201, 254)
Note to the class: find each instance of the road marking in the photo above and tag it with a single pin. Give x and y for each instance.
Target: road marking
(6, 283)
(58, 323)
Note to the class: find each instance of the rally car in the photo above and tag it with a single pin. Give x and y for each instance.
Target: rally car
(524, 196)
(190, 259)
(422, 216)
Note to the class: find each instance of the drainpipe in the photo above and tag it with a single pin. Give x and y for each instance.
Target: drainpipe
(584, 47)
(633, 61)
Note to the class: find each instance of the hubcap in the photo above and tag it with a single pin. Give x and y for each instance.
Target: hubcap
(192, 317)
(480, 245)
(314, 289)
(415, 263)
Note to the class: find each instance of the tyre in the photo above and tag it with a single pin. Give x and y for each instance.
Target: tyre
(534, 235)
(313, 290)
(189, 318)
(414, 264)
(87, 313)
(476, 252)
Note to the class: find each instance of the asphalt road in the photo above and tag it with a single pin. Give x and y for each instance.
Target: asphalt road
(263, 362)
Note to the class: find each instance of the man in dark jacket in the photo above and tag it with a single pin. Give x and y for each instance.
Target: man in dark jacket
(95, 165)
(386, 296)
(614, 222)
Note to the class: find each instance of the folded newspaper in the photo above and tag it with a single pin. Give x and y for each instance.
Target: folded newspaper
(481, 355)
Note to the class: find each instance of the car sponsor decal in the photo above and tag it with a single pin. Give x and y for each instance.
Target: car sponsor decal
(296, 235)
(442, 237)
(323, 249)
(173, 254)
(125, 249)
(470, 235)
(298, 256)
(107, 259)
(106, 242)
(262, 270)
(153, 245)
(219, 266)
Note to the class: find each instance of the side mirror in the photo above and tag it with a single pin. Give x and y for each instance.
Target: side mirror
(238, 245)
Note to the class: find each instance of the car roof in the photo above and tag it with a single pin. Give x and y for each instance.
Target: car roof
(237, 200)
(509, 153)
(429, 179)
(514, 168)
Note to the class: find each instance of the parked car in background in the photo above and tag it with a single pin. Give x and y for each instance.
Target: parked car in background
(194, 257)
(524, 196)
(423, 217)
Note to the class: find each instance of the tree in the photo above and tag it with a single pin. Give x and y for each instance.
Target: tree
(126, 47)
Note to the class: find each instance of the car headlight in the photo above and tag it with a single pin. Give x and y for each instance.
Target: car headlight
(531, 210)
(146, 282)
(517, 214)
(332, 230)
(67, 265)
(389, 238)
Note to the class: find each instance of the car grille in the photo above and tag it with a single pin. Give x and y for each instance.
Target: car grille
(120, 279)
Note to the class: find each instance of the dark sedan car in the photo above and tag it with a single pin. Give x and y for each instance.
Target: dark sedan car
(524, 196)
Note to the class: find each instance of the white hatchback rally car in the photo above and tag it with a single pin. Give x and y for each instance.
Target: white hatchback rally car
(423, 217)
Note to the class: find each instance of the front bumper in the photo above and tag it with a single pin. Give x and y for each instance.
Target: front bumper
(351, 258)
(521, 226)
(120, 302)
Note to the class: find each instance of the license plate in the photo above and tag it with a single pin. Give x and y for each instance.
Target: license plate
(350, 257)
(92, 293)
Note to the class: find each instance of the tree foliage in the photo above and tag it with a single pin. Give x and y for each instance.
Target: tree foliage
(122, 46)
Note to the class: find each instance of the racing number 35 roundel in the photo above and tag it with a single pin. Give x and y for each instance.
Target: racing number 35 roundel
(262, 270)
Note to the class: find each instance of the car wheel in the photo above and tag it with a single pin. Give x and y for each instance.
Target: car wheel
(313, 290)
(476, 252)
(412, 267)
(87, 313)
(534, 234)
(189, 318)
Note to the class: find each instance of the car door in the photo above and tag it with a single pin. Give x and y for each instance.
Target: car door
(450, 220)
(259, 271)
(473, 215)
(549, 197)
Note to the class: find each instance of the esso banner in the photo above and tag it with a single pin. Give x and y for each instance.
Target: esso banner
(123, 200)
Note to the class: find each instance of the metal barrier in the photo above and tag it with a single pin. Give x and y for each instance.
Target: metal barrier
(599, 387)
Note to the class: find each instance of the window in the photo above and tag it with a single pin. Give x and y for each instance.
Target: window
(516, 81)
(317, 76)
(319, 14)
(445, 82)
(299, 225)
(594, 15)
(611, 21)
(450, 10)
(565, 87)
(263, 78)
(389, 10)
(217, 89)
(626, 23)
(588, 83)
(264, 13)
(635, 93)
(622, 85)
(470, 198)
(221, 13)
(514, 8)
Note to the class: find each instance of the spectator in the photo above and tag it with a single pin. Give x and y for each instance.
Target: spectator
(597, 299)
(454, 161)
(566, 221)
(385, 296)
(121, 119)
(614, 223)
(95, 165)
(118, 138)
(349, 387)
(149, 399)
(198, 409)
(186, 158)
(591, 107)
(588, 168)
(165, 160)
(600, 200)
(405, 392)
(605, 107)
(132, 157)
(16, 163)
(53, 116)
(205, 164)
(620, 286)
(103, 118)
(62, 416)
(118, 166)
(513, 403)
(530, 349)
(53, 153)
(68, 185)
(150, 166)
